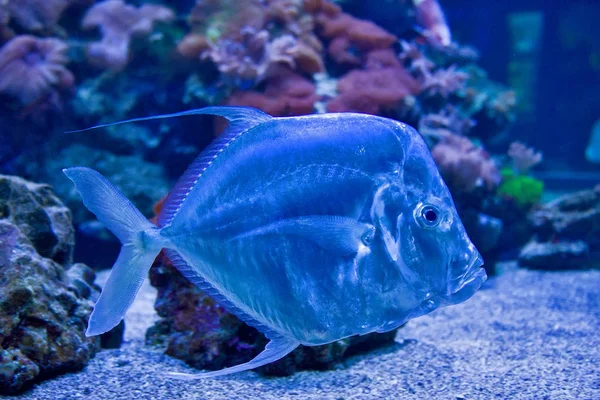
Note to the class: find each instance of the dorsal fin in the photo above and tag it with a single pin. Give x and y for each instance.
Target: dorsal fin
(240, 119)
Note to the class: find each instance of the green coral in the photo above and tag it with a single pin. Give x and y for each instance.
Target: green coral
(524, 189)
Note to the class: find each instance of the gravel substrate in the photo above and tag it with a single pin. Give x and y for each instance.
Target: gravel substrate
(526, 335)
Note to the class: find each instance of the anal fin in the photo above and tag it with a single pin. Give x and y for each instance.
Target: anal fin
(275, 350)
(278, 347)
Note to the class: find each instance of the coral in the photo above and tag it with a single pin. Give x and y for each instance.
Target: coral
(349, 35)
(249, 39)
(415, 60)
(44, 306)
(444, 82)
(381, 86)
(285, 94)
(463, 165)
(119, 23)
(204, 335)
(36, 15)
(244, 60)
(430, 15)
(33, 69)
(447, 120)
(523, 189)
(491, 104)
(523, 158)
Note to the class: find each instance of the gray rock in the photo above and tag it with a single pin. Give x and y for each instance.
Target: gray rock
(39, 215)
(555, 255)
(566, 233)
(44, 306)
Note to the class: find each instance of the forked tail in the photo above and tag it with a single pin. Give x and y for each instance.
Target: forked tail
(141, 244)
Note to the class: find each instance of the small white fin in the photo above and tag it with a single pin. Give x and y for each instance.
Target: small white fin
(342, 236)
(275, 350)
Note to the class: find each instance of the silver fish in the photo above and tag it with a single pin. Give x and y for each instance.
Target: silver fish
(311, 229)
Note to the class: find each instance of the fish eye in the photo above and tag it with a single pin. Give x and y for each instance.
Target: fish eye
(428, 216)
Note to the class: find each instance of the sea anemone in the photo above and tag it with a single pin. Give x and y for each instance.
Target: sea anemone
(32, 68)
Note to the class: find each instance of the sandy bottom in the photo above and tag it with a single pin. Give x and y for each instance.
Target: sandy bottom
(526, 335)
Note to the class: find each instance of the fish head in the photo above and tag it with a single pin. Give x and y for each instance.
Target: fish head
(424, 237)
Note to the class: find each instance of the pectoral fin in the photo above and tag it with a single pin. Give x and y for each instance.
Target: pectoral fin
(275, 350)
(342, 236)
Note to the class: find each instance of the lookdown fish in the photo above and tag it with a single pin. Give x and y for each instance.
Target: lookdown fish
(310, 229)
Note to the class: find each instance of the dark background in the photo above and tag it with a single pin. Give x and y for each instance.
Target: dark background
(567, 90)
(564, 94)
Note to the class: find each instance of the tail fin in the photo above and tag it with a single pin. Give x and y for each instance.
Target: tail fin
(141, 244)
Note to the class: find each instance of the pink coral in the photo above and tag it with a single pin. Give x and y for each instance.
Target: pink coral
(285, 94)
(381, 85)
(33, 68)
(463, 165)
(444, 82)
(347, 33)
(119, 23)
(244, 59)
(523, 158)
(430, 15)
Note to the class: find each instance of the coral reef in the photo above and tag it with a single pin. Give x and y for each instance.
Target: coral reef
(246, 40)
(202, 333)
(44, 306)
(567, 233)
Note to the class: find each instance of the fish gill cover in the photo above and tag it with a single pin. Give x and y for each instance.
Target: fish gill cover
(68, 64)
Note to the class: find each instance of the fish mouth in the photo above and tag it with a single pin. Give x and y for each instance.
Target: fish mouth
(465, 286)
(474, 269)
(459, 290)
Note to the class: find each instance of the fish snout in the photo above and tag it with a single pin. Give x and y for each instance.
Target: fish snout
(462, 274)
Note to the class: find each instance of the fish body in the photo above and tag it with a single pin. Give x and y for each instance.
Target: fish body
(311, 229)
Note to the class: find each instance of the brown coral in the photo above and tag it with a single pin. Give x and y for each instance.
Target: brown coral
(33, 68)
(381, 85)
(118, 23)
